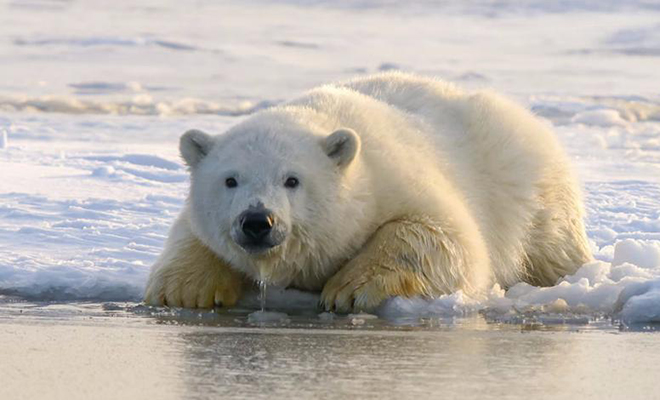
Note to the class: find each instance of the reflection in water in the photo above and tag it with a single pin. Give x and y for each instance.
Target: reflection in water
(467, 362)
(140, 352)
(280, 362)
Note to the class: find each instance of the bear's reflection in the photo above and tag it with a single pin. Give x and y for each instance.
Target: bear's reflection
(336, 364)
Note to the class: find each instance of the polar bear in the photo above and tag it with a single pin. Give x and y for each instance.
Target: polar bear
(386, 185)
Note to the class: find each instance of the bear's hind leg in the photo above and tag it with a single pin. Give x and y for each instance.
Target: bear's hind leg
(557, 247)
(412, 257)
(557, 244)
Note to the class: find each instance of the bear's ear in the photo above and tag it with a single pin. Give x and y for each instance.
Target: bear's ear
(195, 145)
(342, 146)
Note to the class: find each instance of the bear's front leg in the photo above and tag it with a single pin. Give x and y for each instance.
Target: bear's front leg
(406, 258)
(192, 276)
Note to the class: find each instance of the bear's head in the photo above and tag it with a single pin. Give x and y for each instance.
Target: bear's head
(271, 196)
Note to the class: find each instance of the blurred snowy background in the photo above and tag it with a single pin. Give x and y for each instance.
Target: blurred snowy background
(94, 95)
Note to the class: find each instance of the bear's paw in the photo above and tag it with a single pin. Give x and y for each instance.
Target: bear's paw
(363, 286)
(178, 287)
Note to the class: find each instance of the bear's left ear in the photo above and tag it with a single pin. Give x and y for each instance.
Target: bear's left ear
(195, 145)
(342, 146)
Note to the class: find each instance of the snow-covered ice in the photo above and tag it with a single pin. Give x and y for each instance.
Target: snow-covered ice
(93, 98)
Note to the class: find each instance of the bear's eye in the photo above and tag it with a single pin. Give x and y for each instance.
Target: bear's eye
(291, 182)
(231, 183)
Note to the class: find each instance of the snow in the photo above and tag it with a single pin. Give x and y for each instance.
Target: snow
(643, 254)
(91, 112)
(605, 117)
(4, 141)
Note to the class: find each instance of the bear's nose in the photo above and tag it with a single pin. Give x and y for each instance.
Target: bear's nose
(256, 225)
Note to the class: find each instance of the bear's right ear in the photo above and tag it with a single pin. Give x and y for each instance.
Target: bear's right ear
(342, 146)
(195, 145)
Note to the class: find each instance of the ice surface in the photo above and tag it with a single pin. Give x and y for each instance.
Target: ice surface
(640, 302)
(261, 317)
(78, 349)
(91, 112)
(142, 104)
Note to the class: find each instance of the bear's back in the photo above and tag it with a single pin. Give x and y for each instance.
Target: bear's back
(433, 101)
(493, 151)
(410, 93)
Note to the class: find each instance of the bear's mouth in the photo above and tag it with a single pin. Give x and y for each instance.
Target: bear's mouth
(259, 247)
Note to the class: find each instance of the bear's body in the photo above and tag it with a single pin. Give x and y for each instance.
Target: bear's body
(422, 189)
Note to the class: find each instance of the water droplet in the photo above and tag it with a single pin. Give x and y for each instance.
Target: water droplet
(262, 294)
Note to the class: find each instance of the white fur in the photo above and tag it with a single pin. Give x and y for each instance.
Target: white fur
(488, 180)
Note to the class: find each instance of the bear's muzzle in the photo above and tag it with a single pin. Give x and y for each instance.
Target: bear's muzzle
(258, 230)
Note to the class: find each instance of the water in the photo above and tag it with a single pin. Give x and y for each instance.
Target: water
(128, 351)
(263, 287)
(262, 316)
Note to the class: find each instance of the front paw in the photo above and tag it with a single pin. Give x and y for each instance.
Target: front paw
(362, 287)
(190, 289)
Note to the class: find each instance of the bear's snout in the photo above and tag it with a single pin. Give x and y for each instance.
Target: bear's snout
(258, 230)
(257, 225)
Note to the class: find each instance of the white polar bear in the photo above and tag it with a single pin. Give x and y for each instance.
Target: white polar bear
(388, 185)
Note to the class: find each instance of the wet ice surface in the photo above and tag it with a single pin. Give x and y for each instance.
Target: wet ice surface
(124, 350)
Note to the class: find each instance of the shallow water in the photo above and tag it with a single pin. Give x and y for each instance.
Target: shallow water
(112, 350)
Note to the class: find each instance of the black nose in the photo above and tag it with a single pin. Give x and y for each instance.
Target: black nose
(257, 225)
